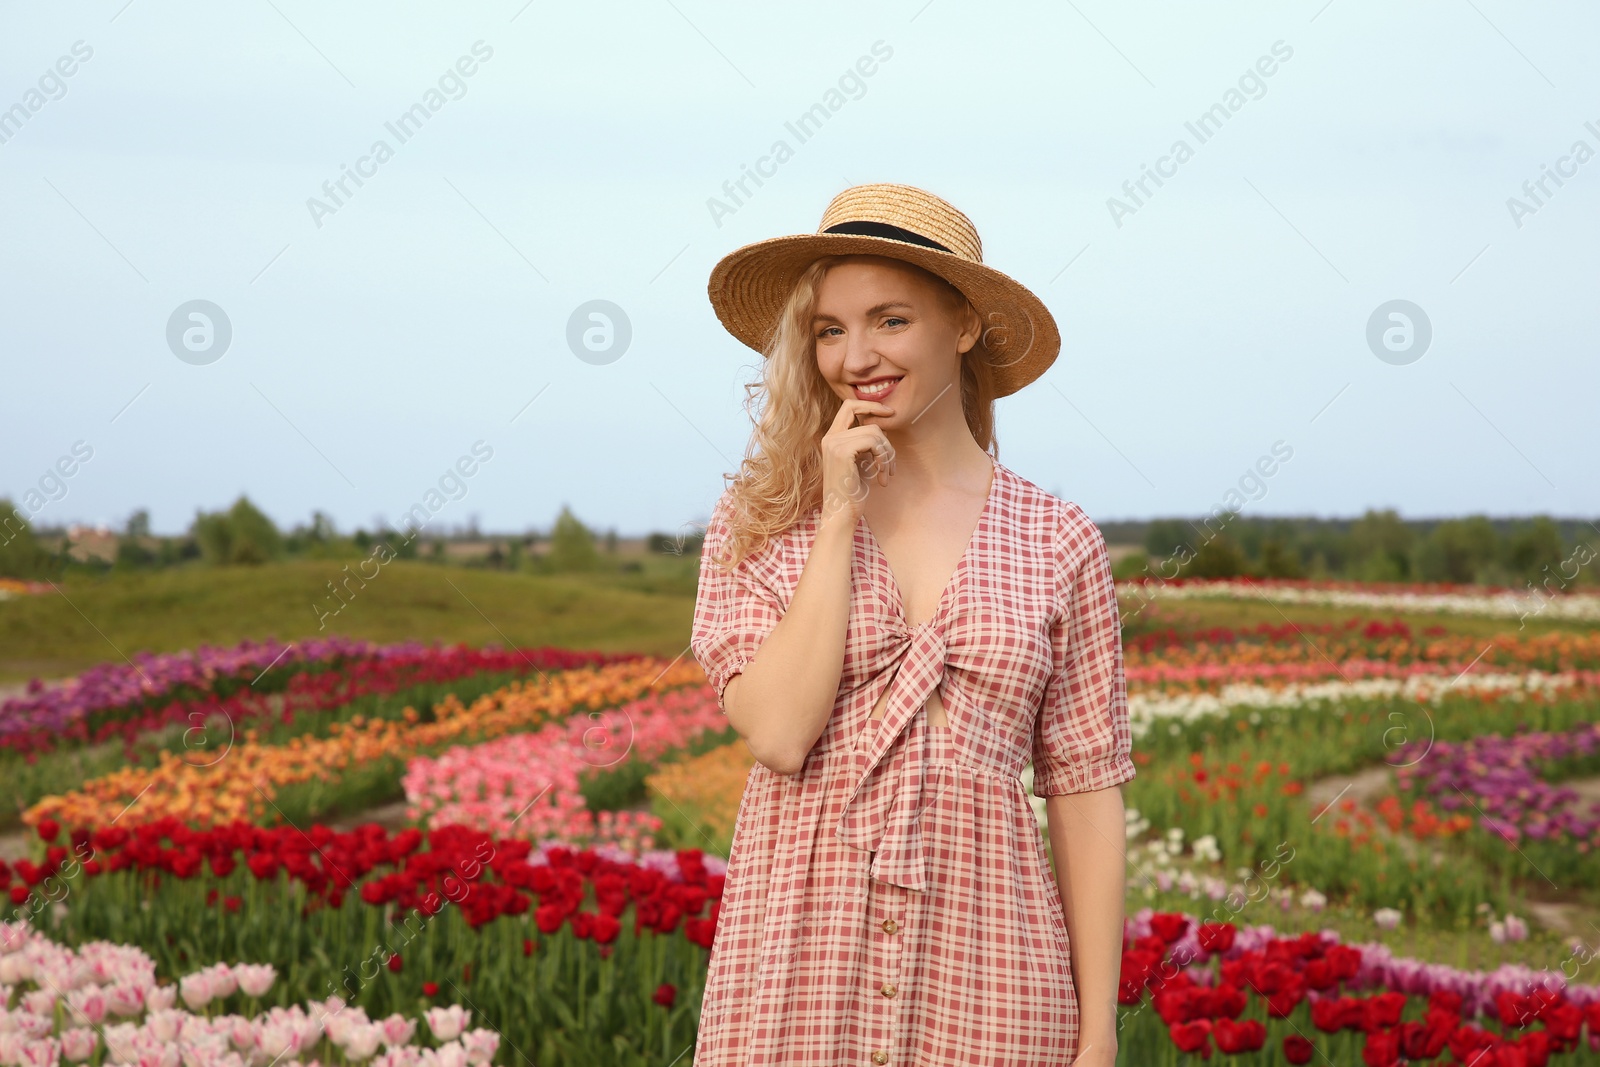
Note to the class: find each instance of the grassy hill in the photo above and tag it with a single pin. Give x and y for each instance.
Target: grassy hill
(104, 618)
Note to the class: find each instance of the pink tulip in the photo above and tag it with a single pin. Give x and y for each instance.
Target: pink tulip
(127, 999)
(398, 1030)
(338, 1023)
(276, 1039)
(196, 990)
(78, 1043)
(45, 1052)
(361, 1042)
(164, 1025)
(88, 1005)
(255, 978)
(40, 1001)
(223, 981)
(242, 1032)
(481, 1045)
(447, 1023)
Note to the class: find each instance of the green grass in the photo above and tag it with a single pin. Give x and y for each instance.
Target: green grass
(648, 609)
(95, 619)
(1158, 614)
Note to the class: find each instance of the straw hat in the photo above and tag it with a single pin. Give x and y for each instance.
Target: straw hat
(749, 286)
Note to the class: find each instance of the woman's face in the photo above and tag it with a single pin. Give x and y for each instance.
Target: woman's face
(884, 332)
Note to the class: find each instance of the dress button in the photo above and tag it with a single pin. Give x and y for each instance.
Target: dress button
(890, 926)
(880, 1056)
(887, 990)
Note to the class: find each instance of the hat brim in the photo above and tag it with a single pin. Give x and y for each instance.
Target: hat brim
(749, 287)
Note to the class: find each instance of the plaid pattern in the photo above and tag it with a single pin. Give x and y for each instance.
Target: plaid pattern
(892, 903)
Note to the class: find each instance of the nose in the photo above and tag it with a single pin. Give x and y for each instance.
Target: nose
(860, 355)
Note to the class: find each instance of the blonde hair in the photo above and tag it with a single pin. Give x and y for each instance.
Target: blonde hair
(780, 479)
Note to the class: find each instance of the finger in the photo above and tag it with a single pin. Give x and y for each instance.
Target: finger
(853, 408)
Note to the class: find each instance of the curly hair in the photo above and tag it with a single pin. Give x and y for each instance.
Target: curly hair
(780, 478)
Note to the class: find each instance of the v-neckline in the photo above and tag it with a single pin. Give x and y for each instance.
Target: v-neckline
(961, 563)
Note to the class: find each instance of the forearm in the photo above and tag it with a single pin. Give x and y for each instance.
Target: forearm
(781, 701)
(1088, 842)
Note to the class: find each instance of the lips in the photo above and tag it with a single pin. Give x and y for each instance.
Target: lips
(876, 389)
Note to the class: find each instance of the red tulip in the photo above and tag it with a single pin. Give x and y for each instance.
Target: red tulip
(430, 988)
(1193, 1037)
(395, 963)
(1383, 1009)
(1536, 1047)
(665, 994)
(1232, 1037)
(19, 894)
(527, 946)
(1169, 926)
(1514, 1010)
(1565, 1022)
(1216, 937)
(49, 829)
(1297, 1049)
(1382, 1049)
(1469, 1042)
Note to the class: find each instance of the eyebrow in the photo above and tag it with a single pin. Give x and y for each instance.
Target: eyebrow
(875, 310)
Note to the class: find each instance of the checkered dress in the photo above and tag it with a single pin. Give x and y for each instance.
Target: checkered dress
(892, 903)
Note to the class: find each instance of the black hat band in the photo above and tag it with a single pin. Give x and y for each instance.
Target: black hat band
(865, 228)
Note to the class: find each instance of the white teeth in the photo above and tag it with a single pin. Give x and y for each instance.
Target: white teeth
(876, 388)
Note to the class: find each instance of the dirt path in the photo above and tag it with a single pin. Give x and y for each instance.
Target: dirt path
(1366, 786)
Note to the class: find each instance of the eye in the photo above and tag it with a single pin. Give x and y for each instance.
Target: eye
(892, 319)
(824, 331)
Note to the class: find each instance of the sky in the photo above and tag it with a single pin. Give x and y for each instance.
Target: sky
(573, 153)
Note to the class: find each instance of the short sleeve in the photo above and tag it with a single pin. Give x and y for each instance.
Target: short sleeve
(733, 612)
(1082, 739)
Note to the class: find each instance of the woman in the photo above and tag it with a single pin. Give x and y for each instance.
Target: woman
(888, 897)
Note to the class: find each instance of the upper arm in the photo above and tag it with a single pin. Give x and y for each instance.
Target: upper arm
(1081, 739)
(733, 613)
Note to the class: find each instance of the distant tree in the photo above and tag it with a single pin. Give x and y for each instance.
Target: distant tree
(131, 550)
(1166, 537)
(21, 555)
(1457, 550)
(1533, 548)
(571, 544)
(1220, 557)
(1381, 545)
(240, 535)
(1280, 560)
(322, 529)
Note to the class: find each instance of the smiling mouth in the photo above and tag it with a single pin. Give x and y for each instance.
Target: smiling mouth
(875, 390)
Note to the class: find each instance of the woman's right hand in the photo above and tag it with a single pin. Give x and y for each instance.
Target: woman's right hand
(852, 458)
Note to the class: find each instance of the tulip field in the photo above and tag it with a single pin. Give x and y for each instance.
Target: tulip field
(1353, 839)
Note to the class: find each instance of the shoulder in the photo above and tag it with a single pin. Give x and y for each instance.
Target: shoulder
(776, 562)
(1057, 527)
